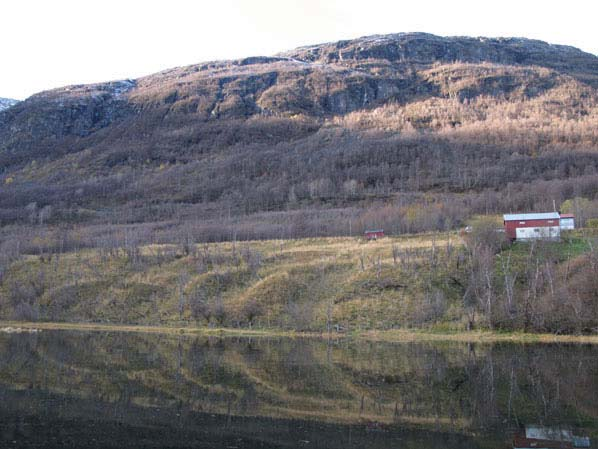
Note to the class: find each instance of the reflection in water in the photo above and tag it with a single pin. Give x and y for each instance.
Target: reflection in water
(76, 389)
(557, 437)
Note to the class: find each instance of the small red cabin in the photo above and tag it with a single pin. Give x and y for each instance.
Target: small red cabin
(374, 234)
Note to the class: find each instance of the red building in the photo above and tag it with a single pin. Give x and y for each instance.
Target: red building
(536, 226)
(374, 234)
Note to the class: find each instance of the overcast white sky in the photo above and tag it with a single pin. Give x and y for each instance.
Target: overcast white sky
(47, 44)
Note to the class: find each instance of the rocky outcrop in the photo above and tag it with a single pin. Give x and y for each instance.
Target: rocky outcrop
(422, 48)
(71, 112)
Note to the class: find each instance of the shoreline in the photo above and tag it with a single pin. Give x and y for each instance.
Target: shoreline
(398, 336)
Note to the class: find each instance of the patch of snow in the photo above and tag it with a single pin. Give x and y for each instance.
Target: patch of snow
(6, 103)
(118, 88)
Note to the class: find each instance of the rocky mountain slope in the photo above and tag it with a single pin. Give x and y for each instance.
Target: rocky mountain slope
(422, 48)
(319, 81)
(331, 127)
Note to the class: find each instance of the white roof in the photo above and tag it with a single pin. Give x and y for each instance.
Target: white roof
(535, 216)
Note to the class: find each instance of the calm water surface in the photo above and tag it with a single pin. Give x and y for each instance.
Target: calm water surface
(76, 389)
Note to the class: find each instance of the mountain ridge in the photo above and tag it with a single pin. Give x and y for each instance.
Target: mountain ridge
(516, 50)
(411, 43)
(344, 77)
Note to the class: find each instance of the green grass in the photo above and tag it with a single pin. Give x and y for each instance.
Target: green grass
(570, 246)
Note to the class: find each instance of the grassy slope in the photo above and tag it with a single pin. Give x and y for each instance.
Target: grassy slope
(296, 285)
(291, 283)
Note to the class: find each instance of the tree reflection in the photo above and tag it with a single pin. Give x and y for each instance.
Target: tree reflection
(477, 391)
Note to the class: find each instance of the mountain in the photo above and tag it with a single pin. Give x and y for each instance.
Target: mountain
(6, 103)
(422, 48)
(409, 131)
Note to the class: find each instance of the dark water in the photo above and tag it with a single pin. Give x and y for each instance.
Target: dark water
(76, 390)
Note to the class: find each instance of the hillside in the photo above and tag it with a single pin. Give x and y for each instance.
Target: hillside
(325, 284)
(411, 132)
(112, 194)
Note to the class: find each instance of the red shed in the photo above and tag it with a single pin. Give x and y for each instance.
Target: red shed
(534, 226)
(374, 234)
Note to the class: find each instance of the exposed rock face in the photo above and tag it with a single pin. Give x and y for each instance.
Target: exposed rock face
(42, 122)
(316, 81)
(6, 103)
(74, 110)
(425, 48)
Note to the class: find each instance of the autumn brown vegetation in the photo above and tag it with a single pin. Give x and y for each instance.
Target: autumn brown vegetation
(410, 133)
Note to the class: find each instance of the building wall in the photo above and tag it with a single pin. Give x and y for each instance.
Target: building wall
(542, 232)
(512, 226)
(567, 223)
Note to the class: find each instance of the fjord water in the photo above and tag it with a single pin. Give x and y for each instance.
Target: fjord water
(92, 389)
